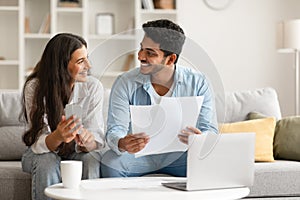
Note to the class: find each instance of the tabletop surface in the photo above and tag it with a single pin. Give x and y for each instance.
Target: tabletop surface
(146, 188)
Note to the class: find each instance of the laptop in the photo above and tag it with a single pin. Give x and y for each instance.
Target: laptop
(218, 161)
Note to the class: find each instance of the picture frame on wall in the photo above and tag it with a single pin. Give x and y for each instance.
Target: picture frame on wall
(105, 24)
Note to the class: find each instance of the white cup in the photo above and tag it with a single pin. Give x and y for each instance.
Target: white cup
(71, 171)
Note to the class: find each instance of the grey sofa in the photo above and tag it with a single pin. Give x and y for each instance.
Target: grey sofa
(14, 183)
(279, 179)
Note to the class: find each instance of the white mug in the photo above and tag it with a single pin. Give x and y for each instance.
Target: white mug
(71, 172)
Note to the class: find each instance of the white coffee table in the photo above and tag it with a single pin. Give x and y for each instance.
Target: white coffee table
(145, 188)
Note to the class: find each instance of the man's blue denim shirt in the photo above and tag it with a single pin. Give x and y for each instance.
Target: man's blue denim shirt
(133, 88)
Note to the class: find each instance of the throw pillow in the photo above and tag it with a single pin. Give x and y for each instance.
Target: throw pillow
(287, 139)
(264, 129)
(238, 104)
(255, 115)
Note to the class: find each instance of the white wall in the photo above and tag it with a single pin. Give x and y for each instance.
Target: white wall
(241, 41)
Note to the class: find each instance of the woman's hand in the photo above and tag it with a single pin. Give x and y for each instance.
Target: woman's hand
(65, 131)
(85, 140)
(185, 133)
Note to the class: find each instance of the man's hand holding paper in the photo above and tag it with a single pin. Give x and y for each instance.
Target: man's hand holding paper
(133, 143)
(185, 133)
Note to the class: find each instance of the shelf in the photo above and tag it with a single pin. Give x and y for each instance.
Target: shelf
(37, 36)
(8, 62)
(69, 10)
(25, 34)
(159, 11)
(9, 8)
(115, 37)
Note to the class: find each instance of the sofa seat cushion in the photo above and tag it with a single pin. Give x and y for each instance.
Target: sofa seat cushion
(279, 178)
(15, 184)
(11, 147)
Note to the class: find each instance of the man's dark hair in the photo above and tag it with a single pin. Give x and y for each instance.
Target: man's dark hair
(169, 35)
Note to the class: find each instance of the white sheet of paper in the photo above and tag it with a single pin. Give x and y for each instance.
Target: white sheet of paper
(163, 122)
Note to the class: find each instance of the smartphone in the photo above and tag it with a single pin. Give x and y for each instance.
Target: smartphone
(74, 109)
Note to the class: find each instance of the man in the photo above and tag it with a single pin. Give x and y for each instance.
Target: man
(157, 76)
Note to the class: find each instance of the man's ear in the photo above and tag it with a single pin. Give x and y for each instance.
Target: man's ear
(171, 59)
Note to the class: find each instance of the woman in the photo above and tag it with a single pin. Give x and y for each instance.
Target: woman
(61, 78)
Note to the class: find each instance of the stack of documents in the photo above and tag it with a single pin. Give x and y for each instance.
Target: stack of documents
(163, 122)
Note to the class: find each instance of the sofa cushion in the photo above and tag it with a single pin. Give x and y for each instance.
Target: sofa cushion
(255, 115)
(11, 147)
(264, 129)
(277, 179)
(15, 184)
(287, 139)
(10, 108)
(238, 104)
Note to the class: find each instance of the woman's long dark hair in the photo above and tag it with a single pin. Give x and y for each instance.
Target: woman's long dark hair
(53, 85)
